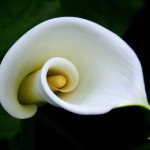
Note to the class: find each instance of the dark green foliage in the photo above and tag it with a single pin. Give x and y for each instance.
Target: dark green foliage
(9, 126)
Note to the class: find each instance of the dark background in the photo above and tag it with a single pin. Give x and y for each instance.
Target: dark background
(53, 128)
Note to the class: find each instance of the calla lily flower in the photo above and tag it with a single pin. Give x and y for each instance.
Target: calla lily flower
(70, 63)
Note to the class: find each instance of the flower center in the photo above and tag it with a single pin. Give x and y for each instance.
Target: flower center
(56, 75)
(56, 82)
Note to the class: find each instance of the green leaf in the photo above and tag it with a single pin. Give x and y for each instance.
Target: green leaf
(145, 146)
(17, 17)
(9, 126)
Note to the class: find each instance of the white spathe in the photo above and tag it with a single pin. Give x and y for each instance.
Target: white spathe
(110, 73)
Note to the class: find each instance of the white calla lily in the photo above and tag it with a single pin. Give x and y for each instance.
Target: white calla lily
(72, 63)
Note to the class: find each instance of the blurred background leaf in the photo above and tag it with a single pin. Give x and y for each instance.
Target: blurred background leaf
(17, 17)
(145, 146)
(113, 14)
(9, 126)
